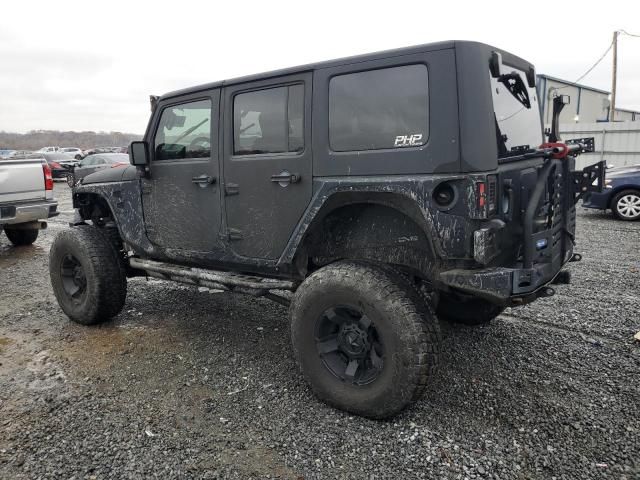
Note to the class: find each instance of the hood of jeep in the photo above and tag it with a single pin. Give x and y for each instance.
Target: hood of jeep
(117, 174)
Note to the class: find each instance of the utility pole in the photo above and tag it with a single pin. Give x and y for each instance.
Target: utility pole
(612, 114)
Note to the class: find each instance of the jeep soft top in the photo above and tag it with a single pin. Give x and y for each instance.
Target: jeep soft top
(385, 191)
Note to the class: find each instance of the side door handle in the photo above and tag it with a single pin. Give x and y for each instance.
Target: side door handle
(203, 180)
(285, 178)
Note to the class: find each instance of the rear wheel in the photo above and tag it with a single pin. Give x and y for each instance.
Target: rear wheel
(469, 312)
(626, 205)
(21, 237)
(363, 338)
(87, 275)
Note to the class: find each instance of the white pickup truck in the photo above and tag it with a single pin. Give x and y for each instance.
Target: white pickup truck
(26, 198)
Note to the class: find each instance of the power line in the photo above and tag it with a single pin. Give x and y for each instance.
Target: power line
(627, 33)
(590, 69)
(599, 59)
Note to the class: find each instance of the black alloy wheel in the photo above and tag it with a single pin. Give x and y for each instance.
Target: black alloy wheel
(74, 280)
(349, 345)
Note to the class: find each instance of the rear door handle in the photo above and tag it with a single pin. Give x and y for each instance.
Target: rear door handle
(203, 180)
(284, 178)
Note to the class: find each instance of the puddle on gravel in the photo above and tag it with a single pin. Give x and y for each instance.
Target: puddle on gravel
(10, 255)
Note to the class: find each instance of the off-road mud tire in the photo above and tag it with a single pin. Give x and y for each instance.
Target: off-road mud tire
(409, 332)
(106, 281)
(21, 238)
(476, 311)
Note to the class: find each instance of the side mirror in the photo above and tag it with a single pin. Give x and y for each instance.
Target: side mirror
(139, 154)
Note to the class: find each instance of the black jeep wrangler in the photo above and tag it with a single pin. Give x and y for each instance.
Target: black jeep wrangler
(384, 191)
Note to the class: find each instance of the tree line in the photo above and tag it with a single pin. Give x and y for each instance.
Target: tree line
(36, 139)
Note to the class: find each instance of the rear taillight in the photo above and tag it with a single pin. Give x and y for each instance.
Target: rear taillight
(481, 194)
(48, 177)
(487, 195)
(55, 165)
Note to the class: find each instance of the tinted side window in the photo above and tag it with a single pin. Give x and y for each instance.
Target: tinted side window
(269, 121)
(375, 109)
(184, 131)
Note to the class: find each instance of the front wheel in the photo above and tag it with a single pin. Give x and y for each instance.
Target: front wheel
(87, 275)
(363, 338)
(21, 237)
(71, 180)
(626, 205)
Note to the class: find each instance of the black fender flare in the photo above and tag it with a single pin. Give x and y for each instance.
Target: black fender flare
(407, 198)
(125, 203)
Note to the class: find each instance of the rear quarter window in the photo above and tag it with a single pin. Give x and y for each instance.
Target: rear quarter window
(379, 109)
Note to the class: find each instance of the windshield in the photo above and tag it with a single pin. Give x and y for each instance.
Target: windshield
(517, 113)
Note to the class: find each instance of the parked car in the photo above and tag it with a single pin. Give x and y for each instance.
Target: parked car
(402, 204)
(72, 152)
(93, 151)
(96, 162)
(48, 150)
(26, 198)
(60, 164)
(22, 153)
(7, 153)
(621, 194)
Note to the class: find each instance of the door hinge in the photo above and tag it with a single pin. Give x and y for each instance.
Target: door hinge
(232, 234)
(231, 189)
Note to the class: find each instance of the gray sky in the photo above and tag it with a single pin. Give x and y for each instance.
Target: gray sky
(82, 65)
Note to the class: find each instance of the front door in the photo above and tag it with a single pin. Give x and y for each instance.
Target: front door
(267, 163)
(181, 196)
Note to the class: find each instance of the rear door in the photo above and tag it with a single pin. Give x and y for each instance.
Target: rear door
(267, 162)
(181, 197)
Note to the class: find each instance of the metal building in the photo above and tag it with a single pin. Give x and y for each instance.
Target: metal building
(588, 104)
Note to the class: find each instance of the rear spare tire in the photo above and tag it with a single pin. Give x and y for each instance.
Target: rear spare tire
(87, 275)
(21, 237)
(363, 338)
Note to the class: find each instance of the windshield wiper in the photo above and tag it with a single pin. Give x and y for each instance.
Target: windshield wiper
(515, 85)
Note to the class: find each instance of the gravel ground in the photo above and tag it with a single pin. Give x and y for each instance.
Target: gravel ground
(189, 384)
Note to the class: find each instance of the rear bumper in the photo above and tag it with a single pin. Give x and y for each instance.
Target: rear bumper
(505, 286)
(60, 172)
(27, 212)
(544, 246)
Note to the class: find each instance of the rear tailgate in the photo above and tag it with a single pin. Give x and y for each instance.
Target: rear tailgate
(21, 180)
